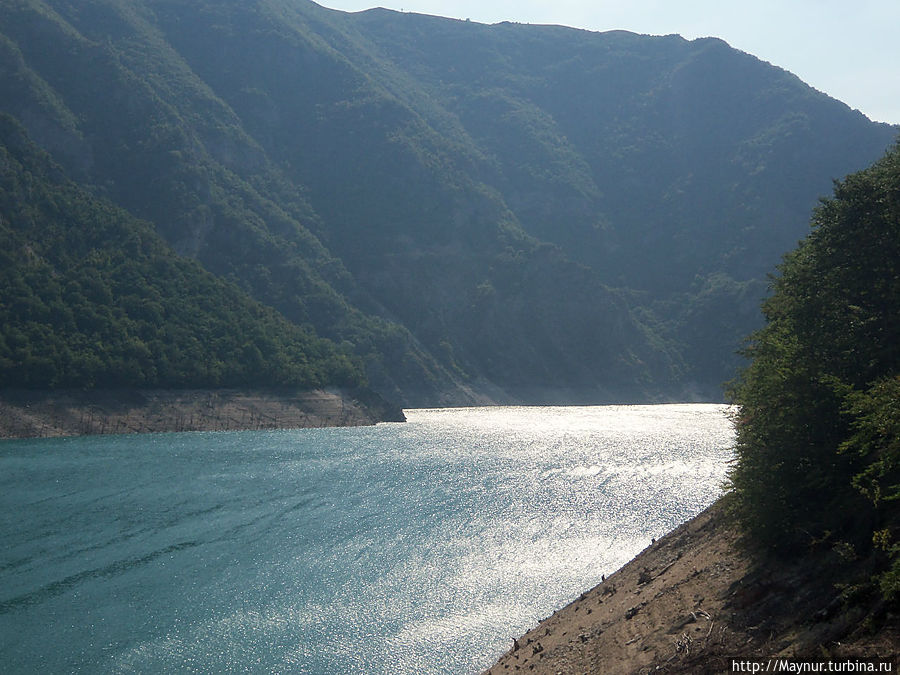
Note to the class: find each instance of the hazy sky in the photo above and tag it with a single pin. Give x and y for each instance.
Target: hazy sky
(850, 49)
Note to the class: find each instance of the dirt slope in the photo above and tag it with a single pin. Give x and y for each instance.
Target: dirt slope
(26, 414)
(695, 599)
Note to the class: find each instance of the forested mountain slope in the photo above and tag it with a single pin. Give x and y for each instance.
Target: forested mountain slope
(93, 297)
(478, 212)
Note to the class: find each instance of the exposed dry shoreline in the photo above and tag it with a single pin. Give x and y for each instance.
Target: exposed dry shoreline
(695, 599)
(30, 414)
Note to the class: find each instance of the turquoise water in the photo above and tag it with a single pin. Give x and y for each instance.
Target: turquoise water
(401, 548)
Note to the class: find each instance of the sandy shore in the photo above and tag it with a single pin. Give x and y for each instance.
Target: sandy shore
(27, 414)
(694, 600)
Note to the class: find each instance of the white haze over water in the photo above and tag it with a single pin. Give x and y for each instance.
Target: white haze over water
(400, 548)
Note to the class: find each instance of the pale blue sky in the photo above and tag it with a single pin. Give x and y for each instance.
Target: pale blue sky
(850, 49)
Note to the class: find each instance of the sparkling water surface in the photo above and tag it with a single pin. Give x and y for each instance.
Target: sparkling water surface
(421, 547)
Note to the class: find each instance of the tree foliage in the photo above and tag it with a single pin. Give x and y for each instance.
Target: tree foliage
(91, 297)
(818, 449)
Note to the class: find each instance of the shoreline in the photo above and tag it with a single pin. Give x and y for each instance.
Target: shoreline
(696, 599)
(47, 414)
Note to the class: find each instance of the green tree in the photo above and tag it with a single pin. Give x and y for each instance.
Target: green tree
(818, 445)
(90, 296)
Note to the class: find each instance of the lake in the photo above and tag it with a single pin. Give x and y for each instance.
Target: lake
(422, 547)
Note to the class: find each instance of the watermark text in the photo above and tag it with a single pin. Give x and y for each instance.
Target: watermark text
(778, 665)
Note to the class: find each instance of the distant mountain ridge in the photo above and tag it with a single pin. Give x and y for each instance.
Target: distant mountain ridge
(477, 213)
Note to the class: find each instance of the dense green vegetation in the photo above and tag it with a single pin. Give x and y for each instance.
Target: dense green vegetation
(513, 212)
(91, 297)
(819, 434)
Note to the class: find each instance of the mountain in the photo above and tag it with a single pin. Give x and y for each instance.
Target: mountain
(799, 560)
(507, 212)
(93, 297)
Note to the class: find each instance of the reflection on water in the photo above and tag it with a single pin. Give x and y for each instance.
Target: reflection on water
(400, 548)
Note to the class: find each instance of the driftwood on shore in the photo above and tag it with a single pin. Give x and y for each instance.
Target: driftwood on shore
(30, 414)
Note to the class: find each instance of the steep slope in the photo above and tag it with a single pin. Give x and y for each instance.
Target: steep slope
(404, 207)
(125, 115)
(479, 212)
(696, 600)
(800, 559)
(680, 169)
(636, 141)
(94, 298)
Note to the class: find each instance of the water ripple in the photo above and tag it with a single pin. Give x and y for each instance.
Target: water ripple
(400, 548)
(61, 586)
